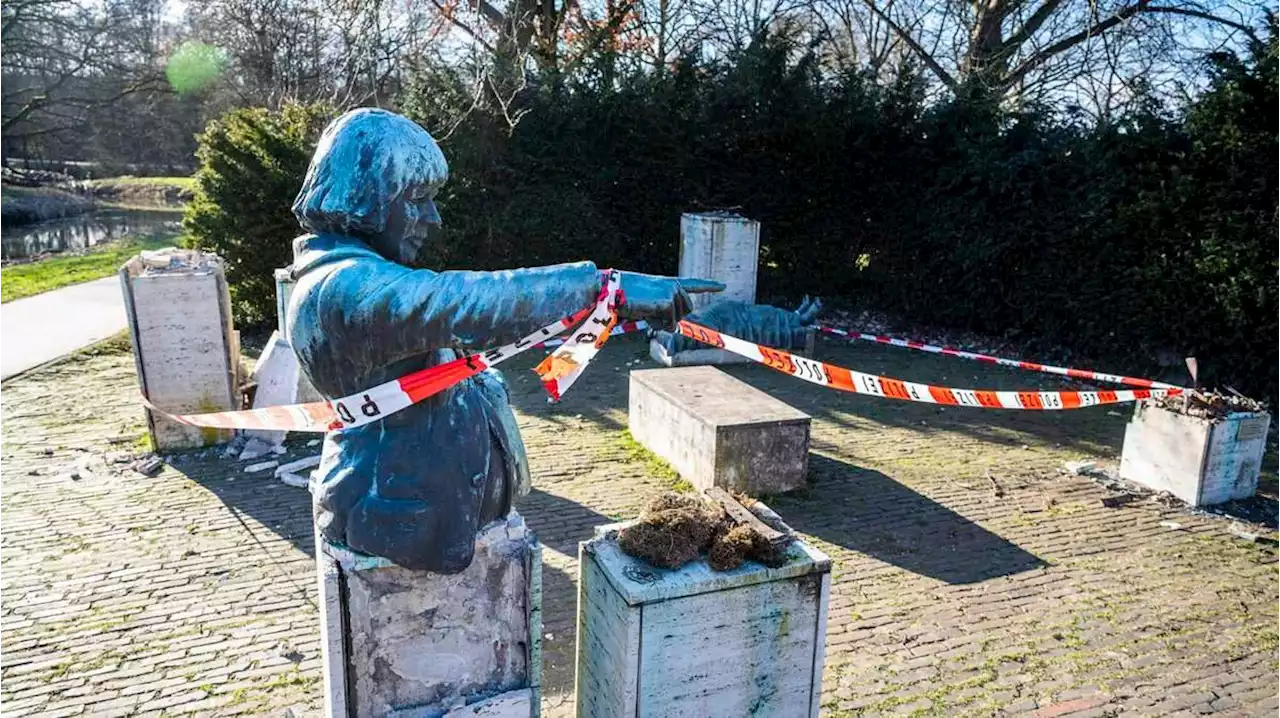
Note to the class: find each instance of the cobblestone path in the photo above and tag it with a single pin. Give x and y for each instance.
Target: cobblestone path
(972, 576)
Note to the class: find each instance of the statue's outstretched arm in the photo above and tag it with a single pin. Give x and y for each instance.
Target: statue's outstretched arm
(477, 310)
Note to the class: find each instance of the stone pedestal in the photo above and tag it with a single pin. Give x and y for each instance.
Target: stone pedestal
(304, 392)
(1201, 461)
(722, 246)
(284, 290)
(698, 642)
(718, 431)
(186, 351)
(409, 643)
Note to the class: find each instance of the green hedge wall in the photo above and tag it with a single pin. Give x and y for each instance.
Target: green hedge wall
(1150, 235)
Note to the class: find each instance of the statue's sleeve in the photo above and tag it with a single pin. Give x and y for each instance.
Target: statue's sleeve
(478, 310)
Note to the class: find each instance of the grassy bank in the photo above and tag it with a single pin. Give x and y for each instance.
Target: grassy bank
(26, 205)
(144, 191)
(24, 280)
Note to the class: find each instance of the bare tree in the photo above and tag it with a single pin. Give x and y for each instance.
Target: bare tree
(63, 58)
(1016, 48)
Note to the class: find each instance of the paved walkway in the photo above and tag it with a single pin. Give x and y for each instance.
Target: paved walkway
(971, 576)
(44, 327)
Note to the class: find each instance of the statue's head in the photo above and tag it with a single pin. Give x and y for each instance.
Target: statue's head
(374, 177)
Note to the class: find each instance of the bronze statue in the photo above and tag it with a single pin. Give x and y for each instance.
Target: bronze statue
(416, 486)
(762, 324)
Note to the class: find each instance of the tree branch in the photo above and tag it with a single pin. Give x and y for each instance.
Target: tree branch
(928, 59)
(1140, 7)
(1033, 23)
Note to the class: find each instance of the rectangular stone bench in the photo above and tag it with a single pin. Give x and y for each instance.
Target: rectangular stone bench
(718, 431)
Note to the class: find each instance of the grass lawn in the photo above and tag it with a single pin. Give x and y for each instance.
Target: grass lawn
(24, 280)
(183, 182)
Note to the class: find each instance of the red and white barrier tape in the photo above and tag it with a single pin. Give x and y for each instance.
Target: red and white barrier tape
(1085, 374)
(622, 328)
(376, 403)
(829, 375)
(563, 366)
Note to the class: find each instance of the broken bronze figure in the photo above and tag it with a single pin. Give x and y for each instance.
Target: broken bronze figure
(416, 487)
(761, 324)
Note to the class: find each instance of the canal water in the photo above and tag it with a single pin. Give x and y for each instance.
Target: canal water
(86, 230)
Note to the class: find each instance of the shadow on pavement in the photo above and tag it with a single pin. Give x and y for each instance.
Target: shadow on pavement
(560, 524)
(868, 512)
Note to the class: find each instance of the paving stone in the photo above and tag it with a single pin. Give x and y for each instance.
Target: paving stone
(180, 593)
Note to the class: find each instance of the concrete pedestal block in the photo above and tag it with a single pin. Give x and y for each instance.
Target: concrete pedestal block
(186, 350)
(691, 641)
(425, 645)
(1201, 461)
(718, 431)
(722, 246)
(304, 392)
(284, 291)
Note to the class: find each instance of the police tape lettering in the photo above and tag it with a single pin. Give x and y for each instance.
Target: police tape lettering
(563, 366)
(859, 383)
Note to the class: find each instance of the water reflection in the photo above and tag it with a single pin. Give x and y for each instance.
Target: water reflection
(86, 230)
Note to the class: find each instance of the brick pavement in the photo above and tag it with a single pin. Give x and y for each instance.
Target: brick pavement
(971, 576)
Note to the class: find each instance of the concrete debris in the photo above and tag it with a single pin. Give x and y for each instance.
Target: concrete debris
(314, 442)
(148, 465)
(260, 466)
(173, 259)
(80, 471)
(1172, 525)
(1241, 532)
(1209, 404)
(1119, 500)
(296, 466)
(256, 448)
(294, 480)
(1080, 468)
(233, 448)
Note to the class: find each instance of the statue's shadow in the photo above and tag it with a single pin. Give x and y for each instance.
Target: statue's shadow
(261, 512)
(874, 516)
(267, 511)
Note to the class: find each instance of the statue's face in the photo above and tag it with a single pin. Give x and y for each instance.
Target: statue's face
(410, 217)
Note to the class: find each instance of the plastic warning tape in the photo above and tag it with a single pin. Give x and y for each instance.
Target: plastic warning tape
(622, 328)
(835, 377)
(563, 366)
(1085, 374)
(372, 404)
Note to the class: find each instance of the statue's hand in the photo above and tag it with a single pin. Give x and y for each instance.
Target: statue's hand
(651, 297)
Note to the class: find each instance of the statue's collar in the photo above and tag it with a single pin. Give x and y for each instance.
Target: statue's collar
(313, 250)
